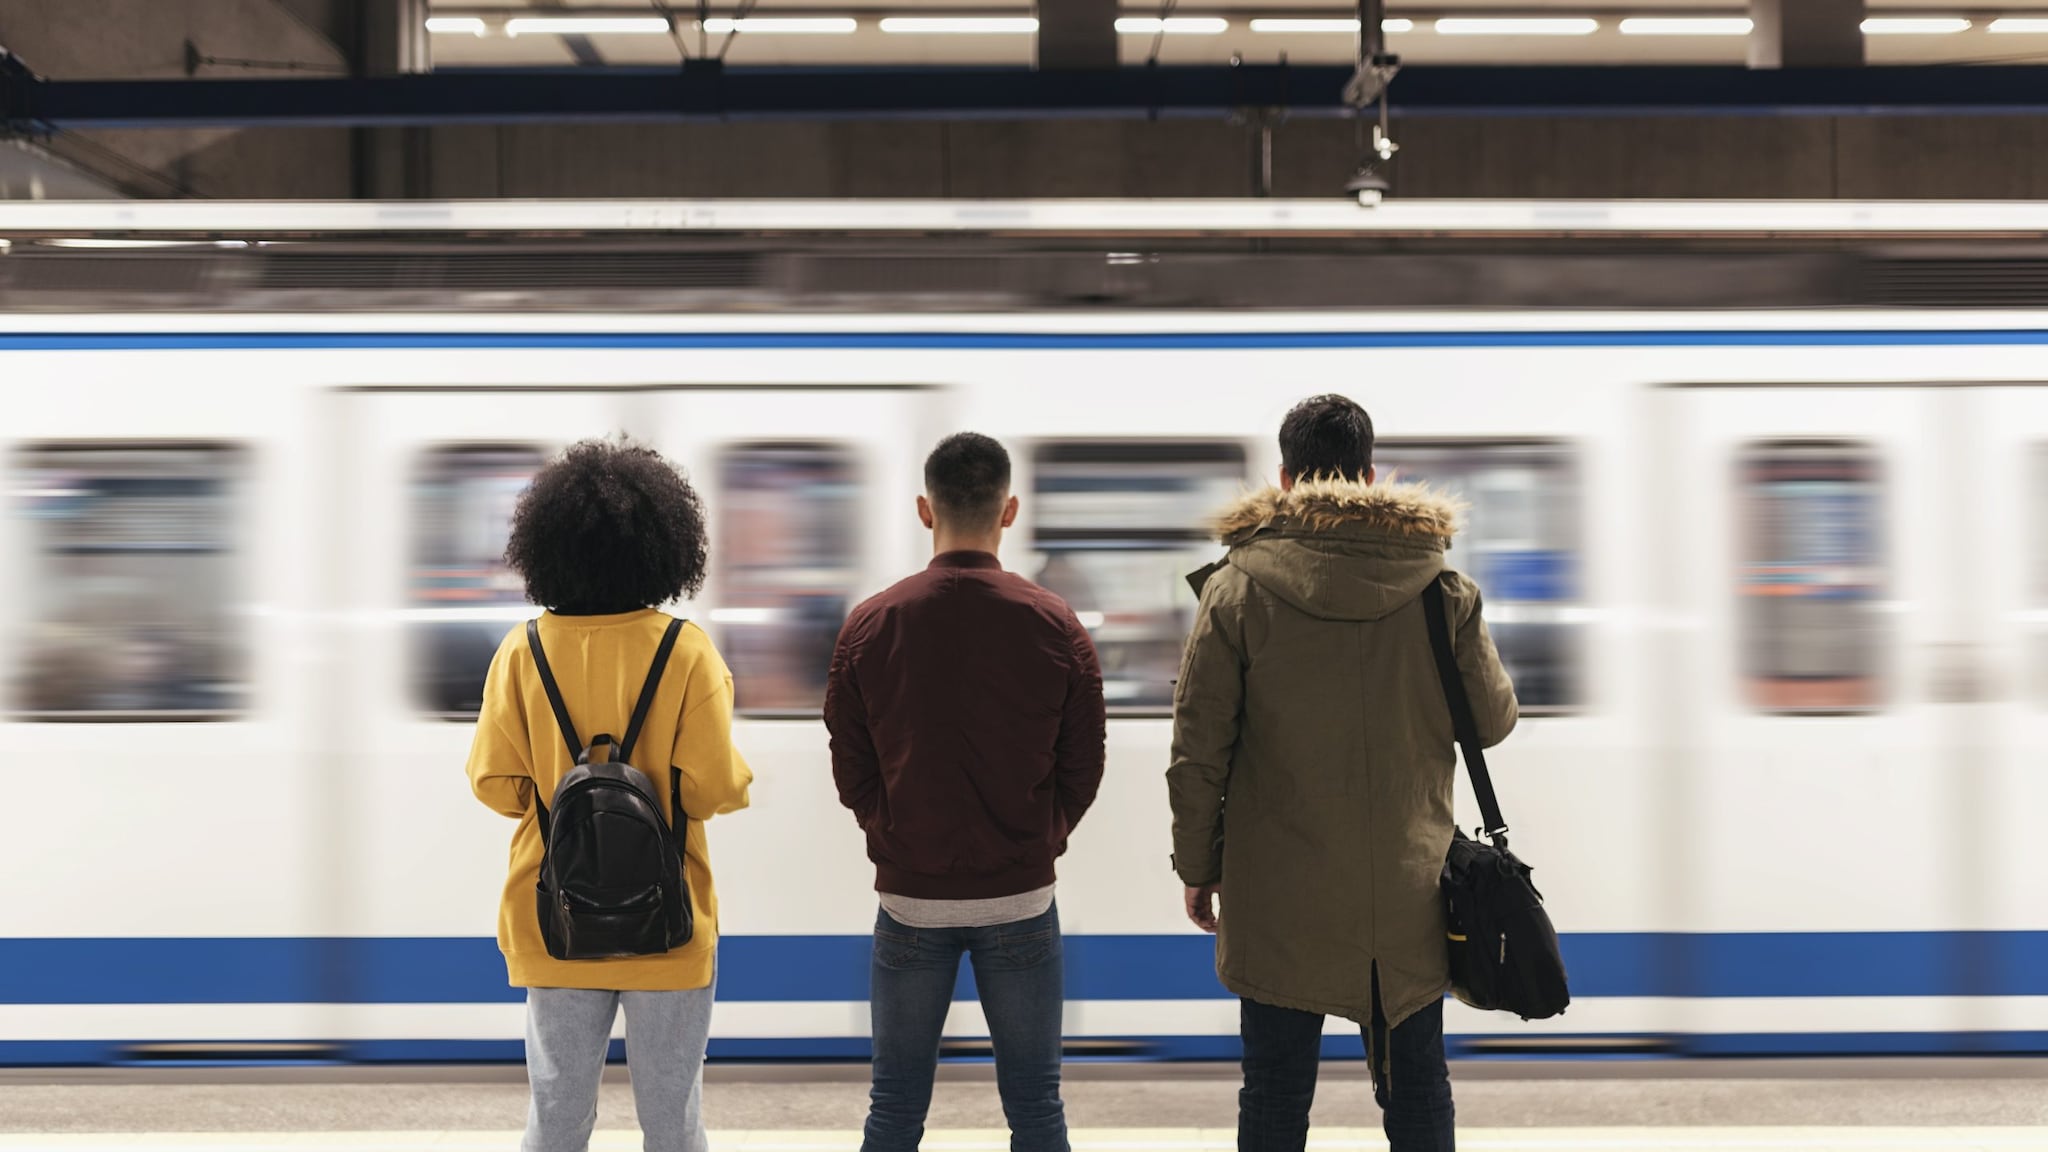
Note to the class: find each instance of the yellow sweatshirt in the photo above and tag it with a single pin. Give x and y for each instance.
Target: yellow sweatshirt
(600, 663)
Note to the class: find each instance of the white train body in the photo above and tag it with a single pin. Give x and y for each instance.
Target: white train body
(1800, 831)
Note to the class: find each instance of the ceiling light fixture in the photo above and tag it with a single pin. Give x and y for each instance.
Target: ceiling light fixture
(587, 26)
(1172, 25)
(1687, 26)
(959, 25)
(1914, 25)
(456, 25)
(1527, 26)
(1297, 25)
(782, 25)
(109, 242)
(2007, 25)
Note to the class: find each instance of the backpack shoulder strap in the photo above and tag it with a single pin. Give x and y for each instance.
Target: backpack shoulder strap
(1461, 710)
(547, 681)
(646, 702)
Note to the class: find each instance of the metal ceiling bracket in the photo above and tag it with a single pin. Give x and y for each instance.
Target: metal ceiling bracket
(1368, 89)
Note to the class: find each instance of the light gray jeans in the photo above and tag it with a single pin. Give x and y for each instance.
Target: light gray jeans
(568, 1031)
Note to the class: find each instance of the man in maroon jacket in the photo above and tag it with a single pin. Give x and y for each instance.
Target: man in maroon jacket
(965, 706)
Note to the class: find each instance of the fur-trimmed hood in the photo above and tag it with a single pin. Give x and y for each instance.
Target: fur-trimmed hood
(1314, 507)
(1341, 549)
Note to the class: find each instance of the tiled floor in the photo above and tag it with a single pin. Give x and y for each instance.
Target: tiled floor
(1775, 1106)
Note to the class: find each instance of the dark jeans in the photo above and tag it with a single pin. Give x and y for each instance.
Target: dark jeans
(1017, 969)
(1282, 1049)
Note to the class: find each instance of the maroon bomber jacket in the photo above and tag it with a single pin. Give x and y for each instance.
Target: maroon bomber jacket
(965, 706)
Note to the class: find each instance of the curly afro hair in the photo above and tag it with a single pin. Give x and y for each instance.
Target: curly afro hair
(608, 526)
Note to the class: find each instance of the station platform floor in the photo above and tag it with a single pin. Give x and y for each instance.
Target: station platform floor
(1617, 1106)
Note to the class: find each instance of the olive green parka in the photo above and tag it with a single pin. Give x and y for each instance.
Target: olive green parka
(1313, 756)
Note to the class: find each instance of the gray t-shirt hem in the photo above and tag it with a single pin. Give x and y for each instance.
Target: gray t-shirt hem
(914, 913)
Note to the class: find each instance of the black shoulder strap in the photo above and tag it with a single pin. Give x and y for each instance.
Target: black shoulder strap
(640, 709)
(547, 681)
(1461, 710)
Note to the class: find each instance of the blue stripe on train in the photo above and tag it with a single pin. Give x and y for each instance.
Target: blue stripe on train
(373, 970)
(1024, 341)
(49, 1053)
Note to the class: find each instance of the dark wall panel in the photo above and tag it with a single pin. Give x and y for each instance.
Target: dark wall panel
(1942, 157)
(1708, 158)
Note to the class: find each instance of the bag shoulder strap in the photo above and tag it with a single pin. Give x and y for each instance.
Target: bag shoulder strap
(1461, 710)
(646, 701)
(547, 681)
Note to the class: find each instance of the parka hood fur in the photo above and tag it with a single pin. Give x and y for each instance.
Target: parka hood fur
(1341, 549)
(1325, 504)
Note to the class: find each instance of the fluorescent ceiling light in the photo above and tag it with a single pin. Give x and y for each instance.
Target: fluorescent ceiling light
(587, 25)
(1173, 25)
(1687, 26)
(1914, 25)
(473, 25)
(782, 25)
(110, 242)
(2010, 24)
(959, 25)
(1326, 24)
(1513, 26)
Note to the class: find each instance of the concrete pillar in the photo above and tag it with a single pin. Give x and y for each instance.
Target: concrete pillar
(391, 40)
(1806, 34)
(1077, 34)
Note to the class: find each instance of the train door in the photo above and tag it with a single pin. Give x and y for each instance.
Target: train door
(2002, 674)
(155, 696)
(811, 496)
(420, 523)
(1815, 581)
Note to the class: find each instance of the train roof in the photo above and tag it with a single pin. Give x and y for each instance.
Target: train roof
(925, 256)
(210, 219)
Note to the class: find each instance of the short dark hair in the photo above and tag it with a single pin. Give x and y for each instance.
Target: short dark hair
(967, 476)
(1327, 435)
(608, 526)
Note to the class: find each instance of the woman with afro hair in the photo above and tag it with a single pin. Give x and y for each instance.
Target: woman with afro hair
(607, 533)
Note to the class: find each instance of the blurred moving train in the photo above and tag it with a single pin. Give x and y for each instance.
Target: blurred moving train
(1772, 583)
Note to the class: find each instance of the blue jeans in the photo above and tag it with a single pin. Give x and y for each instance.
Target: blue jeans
(1018, 970)
(1283, 1049)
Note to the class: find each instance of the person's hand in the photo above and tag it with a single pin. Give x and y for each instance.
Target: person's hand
(1201, 906)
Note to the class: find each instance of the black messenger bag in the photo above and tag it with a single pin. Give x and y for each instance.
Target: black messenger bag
(611, 873)
(1504, 953)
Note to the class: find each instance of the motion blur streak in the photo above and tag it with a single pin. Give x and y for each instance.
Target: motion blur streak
(1778, 615)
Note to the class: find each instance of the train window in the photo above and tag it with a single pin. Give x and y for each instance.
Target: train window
(136, 601)
(1811, 576)
(463, 597)
(788, 556)
(1116, 528)
(1521, 544)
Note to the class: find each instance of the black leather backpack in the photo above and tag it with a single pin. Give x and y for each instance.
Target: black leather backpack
(1504, 952)
(611, 873)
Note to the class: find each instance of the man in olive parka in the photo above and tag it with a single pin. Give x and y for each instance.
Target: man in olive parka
(1313, 761)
